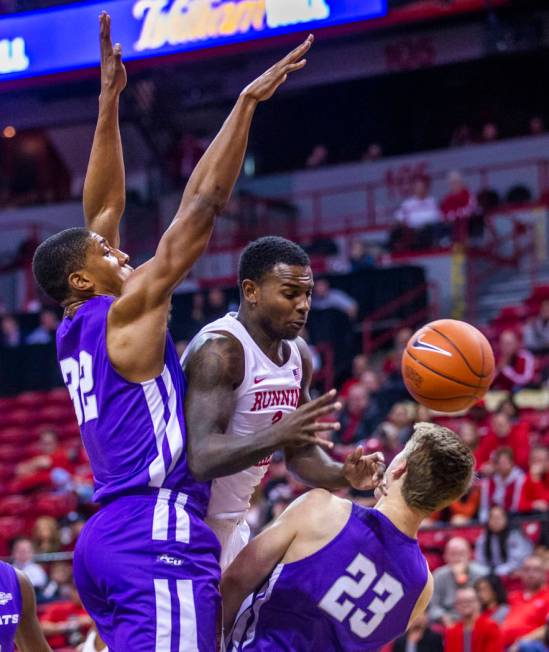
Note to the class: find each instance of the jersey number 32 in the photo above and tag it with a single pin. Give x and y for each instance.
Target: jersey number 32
(363, 574)
(78, 377)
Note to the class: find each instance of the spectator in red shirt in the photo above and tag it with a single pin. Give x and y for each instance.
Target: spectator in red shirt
(459, 205)
(359, 366)
(535, 492)
(504, 487)
(504, 433)
(529, 606)
(475, 632)
(65, 623)
(493, 597)
(39, 471)
(516, 366)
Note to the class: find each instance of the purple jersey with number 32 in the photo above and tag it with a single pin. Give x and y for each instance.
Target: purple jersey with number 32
(134, 433)
(354, 595)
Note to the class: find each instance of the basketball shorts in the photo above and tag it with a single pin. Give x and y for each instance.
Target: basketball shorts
(233, 535)
(147, 571)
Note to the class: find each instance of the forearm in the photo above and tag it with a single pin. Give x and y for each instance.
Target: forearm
(217, 171)
(104, 187)
(233, 593)
(225, 454)
(312, 466)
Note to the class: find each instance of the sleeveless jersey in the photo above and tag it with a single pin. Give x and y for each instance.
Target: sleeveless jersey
(134, 433)
(10, 606)
(265, 395)
(354, 595)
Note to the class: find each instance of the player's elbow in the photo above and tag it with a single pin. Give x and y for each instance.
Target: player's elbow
(199, 466)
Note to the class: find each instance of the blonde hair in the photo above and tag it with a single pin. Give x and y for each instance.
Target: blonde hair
(439, 468)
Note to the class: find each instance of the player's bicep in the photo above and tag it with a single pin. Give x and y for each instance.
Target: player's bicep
(307, 375)
(211, 371)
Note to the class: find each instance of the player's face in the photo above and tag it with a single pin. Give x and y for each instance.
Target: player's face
(108, 266)
(284, 300)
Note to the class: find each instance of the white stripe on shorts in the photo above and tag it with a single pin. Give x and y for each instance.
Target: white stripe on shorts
(161, 517)
(187, 617)
(182, 523)
(163, 616)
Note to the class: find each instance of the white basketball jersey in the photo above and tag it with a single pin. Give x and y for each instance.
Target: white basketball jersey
(266, 394)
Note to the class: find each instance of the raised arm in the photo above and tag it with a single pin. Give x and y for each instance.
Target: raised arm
(29, 636)
(105, 187)
(206, 194)
(314, 467)
(213, 370)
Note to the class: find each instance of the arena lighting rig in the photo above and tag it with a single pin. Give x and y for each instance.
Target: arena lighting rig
(64, 38)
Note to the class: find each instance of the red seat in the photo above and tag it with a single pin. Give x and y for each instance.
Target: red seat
(470, 534)
(15, 436)
(432, 539)
(21, 418)
(532, 530)
(58, 396)
(15, 505)
(11, 454)
(56, 414)
(31, 400)
(10, 527)
(56, 505)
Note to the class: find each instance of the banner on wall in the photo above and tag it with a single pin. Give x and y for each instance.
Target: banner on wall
(65, 38)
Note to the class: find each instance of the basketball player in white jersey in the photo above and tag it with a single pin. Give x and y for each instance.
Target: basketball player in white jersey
(248, 377)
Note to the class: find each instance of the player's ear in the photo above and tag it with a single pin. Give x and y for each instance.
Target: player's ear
(249, 291)
(400, 469)
(81, 281)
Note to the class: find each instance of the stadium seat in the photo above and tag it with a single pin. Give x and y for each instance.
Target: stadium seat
(15, 505)
(56, 505)
(11, 454)
(10, 527)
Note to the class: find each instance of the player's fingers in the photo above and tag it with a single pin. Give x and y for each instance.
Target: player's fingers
(354, 457)
(320, 401)
(323, 443)
(292, 67)
(320, 426)
(299, 51)
(326, 409)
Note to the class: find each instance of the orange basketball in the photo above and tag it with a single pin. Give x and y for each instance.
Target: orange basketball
(448, 365)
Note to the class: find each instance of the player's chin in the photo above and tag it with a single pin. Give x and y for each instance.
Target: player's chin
(293, 330)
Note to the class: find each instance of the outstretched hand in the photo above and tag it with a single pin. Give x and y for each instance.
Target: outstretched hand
(364, 472)
(113, 71)
(264, 87)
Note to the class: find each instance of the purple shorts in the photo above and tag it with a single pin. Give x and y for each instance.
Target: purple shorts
(147, 570)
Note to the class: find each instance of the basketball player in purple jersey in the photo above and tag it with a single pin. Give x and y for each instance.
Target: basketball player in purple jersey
(249, 375)
(18, 621)
(146, 566)
(331, 575)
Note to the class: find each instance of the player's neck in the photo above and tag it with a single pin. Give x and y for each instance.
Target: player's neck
(269, 346)
(400, 515)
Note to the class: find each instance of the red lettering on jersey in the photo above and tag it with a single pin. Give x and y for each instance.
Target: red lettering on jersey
(257, 404)
(265, 461)
(275, 398)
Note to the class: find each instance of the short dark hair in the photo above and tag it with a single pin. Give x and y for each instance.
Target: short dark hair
(496, 585)
(439, 468)
(261, 255)
(57, 258)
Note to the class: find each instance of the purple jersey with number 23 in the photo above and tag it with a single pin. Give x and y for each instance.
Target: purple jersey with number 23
(354, 595)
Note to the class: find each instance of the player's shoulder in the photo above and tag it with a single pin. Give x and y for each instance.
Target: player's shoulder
(303, 348)
(317, 509)
(215, 355)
